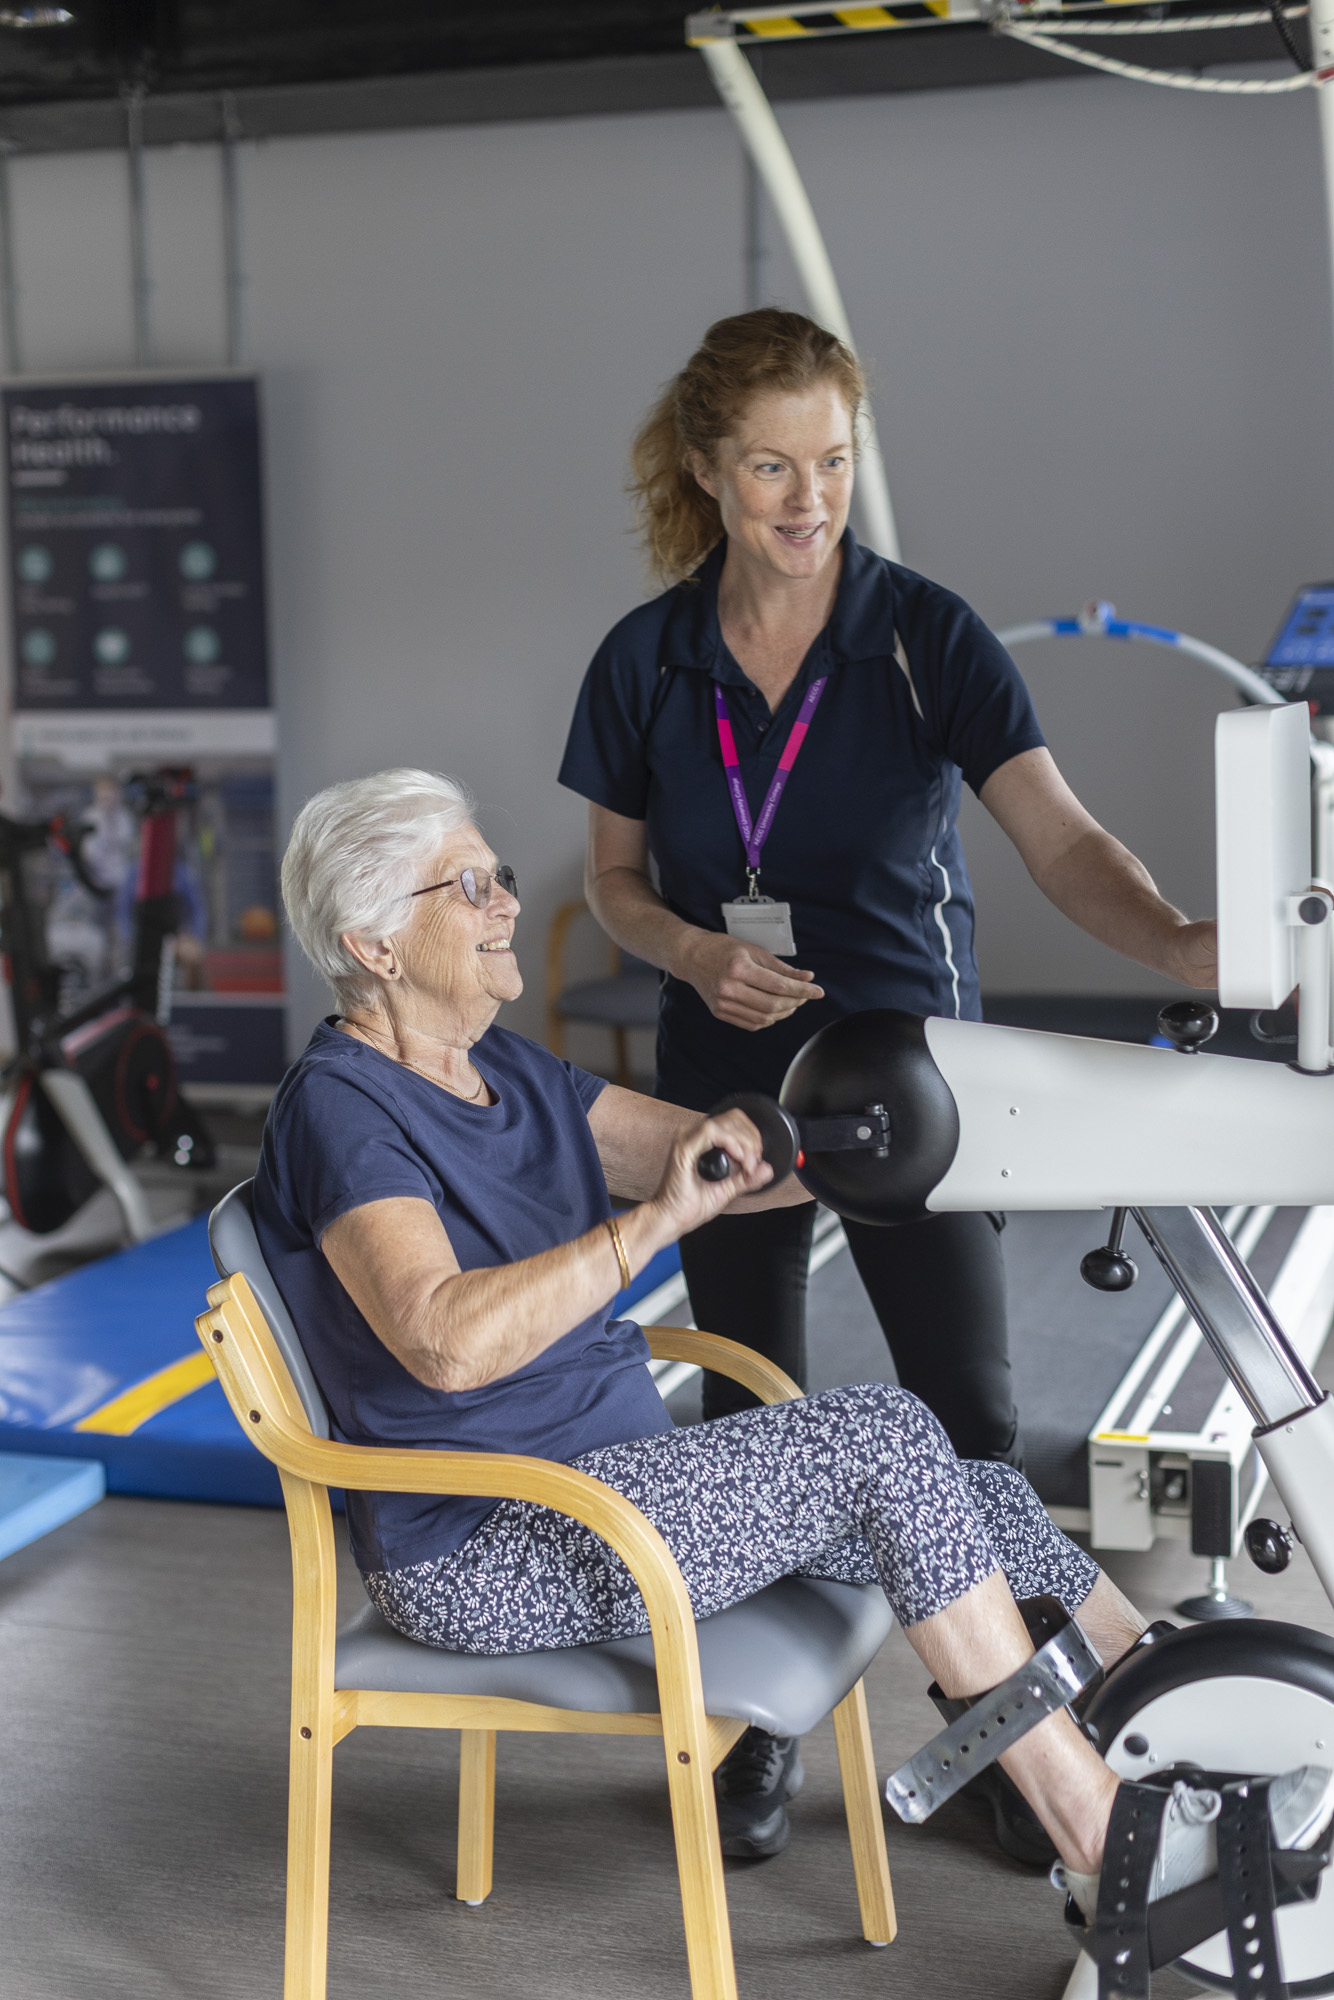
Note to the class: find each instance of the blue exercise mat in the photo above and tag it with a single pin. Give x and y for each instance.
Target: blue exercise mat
(104, 1364)
(39, 1494)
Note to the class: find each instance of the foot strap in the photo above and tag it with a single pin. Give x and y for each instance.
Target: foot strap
(996, 1721)
(1132, 1937)
(1120, 1941)
(1246, 1878)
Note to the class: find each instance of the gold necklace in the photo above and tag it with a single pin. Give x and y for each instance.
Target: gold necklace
(362, 1035)
(481, 1085)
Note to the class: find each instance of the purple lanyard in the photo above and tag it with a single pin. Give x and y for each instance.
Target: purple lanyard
(754, 836)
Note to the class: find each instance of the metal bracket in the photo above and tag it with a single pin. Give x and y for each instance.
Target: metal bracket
(1053, 1677)
(857, 1132)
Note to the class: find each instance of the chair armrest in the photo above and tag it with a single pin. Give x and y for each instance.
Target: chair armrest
(236, 1337)
(239, 1342)
(725, 1357)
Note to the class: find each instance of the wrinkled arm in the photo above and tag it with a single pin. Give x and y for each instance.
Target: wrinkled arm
(456, 1329)
(634, 1135)
(1090, 876)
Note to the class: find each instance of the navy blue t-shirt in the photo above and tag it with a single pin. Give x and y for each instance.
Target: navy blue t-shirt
(349, 1126)
(920, 696)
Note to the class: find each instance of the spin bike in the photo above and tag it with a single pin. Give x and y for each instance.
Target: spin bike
(90, 1087)
(885, 1118)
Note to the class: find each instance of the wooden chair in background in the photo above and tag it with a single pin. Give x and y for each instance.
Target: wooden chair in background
(627, 998)
(782, 1659)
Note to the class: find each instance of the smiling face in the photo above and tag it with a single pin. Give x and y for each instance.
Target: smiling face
(451, 955)
(783, 480)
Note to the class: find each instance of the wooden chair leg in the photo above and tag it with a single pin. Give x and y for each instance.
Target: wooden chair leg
(699, 1864)
(310, 1792)
(477, 1814)
(866, 1827)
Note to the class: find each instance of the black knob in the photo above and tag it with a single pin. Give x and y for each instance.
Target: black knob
(1108, 1270)
(714, 1165)
(1269, 1546)
(1188, 1025)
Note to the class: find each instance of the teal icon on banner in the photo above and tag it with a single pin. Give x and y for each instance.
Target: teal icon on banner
(202, 645)
(111, 646)
(198, 560)
(35, 564)
(38, 647)
(108, 562)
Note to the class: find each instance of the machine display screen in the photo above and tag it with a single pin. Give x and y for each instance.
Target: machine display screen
(1306, 636)
(1300, 662)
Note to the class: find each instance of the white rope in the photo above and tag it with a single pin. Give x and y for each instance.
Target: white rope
(1259, 17)
(1218, 86)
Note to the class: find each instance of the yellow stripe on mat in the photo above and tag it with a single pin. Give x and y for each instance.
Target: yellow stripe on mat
(865, 17)
(126, 1412)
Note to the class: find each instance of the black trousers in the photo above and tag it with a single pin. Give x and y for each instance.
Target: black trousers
(938, 1289)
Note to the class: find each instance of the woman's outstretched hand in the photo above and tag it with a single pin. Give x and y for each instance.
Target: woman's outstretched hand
(684, 1199)
(743, 984)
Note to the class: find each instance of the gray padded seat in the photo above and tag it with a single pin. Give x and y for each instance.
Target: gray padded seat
(782, 1659)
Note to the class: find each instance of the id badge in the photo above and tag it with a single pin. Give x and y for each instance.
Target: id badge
(760, 920)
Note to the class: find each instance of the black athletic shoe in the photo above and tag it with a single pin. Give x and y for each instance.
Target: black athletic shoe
(752, 1786)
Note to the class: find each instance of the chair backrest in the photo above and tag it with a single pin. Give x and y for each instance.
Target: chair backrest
(235, 1247)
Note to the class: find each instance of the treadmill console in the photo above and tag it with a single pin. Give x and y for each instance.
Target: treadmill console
(1299, 663)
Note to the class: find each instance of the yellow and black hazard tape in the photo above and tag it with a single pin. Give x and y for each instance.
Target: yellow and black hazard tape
(805, 21)
(769, 25)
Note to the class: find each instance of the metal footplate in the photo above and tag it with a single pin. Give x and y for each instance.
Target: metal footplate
(1058, 1672)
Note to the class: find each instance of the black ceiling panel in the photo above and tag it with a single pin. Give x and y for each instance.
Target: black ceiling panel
(328, 65)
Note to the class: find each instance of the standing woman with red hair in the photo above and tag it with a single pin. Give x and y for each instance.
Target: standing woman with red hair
(773, 752)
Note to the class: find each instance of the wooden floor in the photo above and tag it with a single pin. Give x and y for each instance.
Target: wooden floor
(142, 1661)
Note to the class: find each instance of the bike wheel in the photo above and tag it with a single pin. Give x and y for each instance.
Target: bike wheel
(1252, 1696)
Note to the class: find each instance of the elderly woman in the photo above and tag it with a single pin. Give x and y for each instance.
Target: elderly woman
(433, 1200)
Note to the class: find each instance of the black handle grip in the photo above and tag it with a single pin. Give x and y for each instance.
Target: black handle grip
(777, 1130)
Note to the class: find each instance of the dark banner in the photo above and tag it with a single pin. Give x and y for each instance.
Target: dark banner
(136, 545)
(136, 566)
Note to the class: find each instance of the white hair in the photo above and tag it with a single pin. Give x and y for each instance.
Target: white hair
(357, 852)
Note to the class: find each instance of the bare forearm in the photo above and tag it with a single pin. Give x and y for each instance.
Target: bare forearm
(632, 913)
(1100, 886)
(457, 1329)
(481, 1325)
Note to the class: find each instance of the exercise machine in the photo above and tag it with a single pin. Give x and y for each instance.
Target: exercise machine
(92, 1086)
(885, 1118)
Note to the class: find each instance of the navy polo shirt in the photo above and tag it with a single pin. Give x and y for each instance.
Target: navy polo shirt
(508, 1180)
(865, 845)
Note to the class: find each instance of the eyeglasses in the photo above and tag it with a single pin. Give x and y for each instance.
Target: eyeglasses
(476, 884)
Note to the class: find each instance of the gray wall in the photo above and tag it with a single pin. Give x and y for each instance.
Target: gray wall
(1098, 320)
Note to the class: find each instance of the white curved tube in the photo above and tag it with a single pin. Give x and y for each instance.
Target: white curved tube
(1251, 684)
(1215, 86)
(763, 139)
(1175, 24)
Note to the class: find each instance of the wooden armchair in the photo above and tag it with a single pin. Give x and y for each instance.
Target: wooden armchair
(783, 1659)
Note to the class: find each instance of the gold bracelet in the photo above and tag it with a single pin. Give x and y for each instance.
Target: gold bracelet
(614, 1228)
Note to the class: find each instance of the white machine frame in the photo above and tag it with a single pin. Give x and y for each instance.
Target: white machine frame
(1058, 1122)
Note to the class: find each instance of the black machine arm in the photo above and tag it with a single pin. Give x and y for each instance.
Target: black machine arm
(786, 1139)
